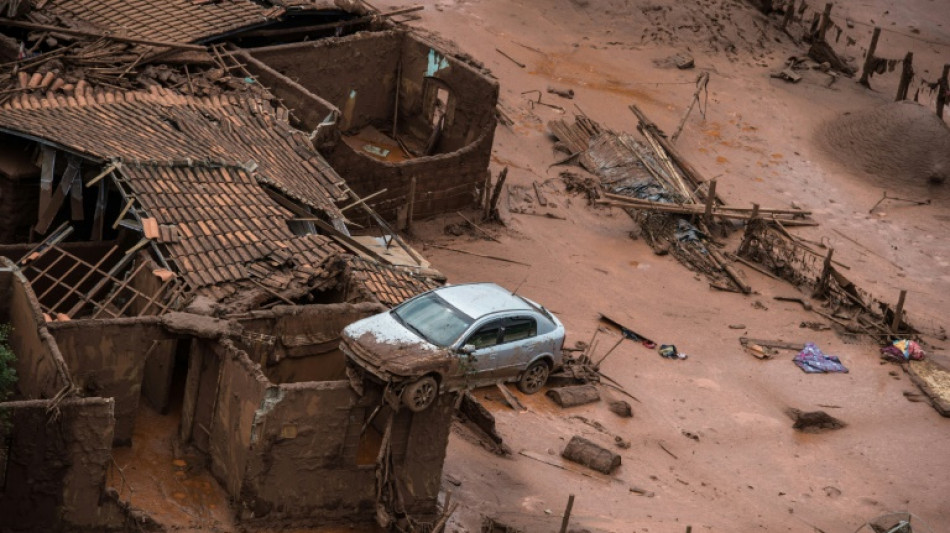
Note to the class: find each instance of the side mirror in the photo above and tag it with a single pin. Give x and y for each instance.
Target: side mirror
(467, 349)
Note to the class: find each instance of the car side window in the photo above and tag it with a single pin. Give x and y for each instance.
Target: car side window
(520, 328)
(486, 336)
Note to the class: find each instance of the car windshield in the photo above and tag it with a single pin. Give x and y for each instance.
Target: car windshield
(433, 319)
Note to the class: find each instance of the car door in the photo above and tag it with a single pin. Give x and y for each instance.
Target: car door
(477, 367)
(517, 346)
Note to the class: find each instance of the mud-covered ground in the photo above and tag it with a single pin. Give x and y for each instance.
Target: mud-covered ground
(732, 461)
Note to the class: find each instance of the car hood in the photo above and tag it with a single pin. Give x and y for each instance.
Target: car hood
(382, 341)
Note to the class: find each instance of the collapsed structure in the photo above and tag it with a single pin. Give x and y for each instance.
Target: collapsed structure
(177, 223)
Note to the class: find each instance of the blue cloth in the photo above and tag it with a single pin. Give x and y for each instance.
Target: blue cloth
(813, 361)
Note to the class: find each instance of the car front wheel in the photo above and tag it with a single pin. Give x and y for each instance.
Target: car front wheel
(534, 377)
(420, 394)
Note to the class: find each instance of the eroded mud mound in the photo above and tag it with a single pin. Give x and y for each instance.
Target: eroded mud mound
(898, 141)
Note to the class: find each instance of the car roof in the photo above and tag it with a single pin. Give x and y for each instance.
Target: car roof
(479, 299)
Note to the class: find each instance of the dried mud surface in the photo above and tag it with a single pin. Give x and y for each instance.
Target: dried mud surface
(711, 445)
(899, 141)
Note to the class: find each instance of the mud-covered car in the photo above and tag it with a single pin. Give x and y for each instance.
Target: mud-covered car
(453, 338)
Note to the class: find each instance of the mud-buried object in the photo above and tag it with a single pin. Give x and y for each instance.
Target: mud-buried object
(586, 453)
(576, 395)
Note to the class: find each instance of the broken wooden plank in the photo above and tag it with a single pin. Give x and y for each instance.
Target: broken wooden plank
(485, 256)
(510, 398)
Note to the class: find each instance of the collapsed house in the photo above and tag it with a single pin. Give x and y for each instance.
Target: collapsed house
(187, 245)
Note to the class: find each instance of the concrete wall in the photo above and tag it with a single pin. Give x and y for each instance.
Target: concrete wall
(107, 359)
(356, 74)
(301, 343)
(57, 467)
(40, 366)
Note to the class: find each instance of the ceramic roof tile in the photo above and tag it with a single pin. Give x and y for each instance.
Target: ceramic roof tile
(210, 253)
(152, 129)
(391, 286)
(167, 20)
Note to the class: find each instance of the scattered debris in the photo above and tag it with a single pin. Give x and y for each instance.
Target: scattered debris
(814, 421)
(489, 525)
(787, 75)
(586, 453)
(562, 92)
(642, 492)
(903, 350)
(895, 198)
(669, 351)
(813, 361)
(573, 396)
(815, 326)
(621, 408)
(513, 60)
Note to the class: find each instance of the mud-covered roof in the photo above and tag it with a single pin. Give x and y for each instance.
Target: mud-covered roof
(389, 285)
(181, 21)
(166, 127)
(218, 226)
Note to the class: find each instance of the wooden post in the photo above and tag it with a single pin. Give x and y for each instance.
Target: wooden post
(943, 86)
(869, 59)
(701, 82)
(825, 273)
(898, 311)
(486, 196)
(710, 201)
(412, 204)
(907, 74)
(789, 11)
(567, 514)
(493, 206)
(755, 212)
(825, 23)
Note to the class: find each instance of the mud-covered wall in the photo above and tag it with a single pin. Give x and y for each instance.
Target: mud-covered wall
(299, 466)
(310, 460)
(107, 359)
(242, 390)
(40, 366)
(307, 110)
(418, 462)
(160, 363)
(301, 343)
(356, 73)
(57, 467)
(471, 94)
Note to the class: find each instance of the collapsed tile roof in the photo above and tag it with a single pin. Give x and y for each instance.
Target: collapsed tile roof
(180, 21)
(219, 227)
(163, 126)
(389, 285)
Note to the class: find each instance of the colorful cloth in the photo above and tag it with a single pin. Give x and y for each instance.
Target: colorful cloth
(813, 361)
(903, 350)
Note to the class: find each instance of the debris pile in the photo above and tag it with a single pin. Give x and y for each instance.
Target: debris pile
(675, 207)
